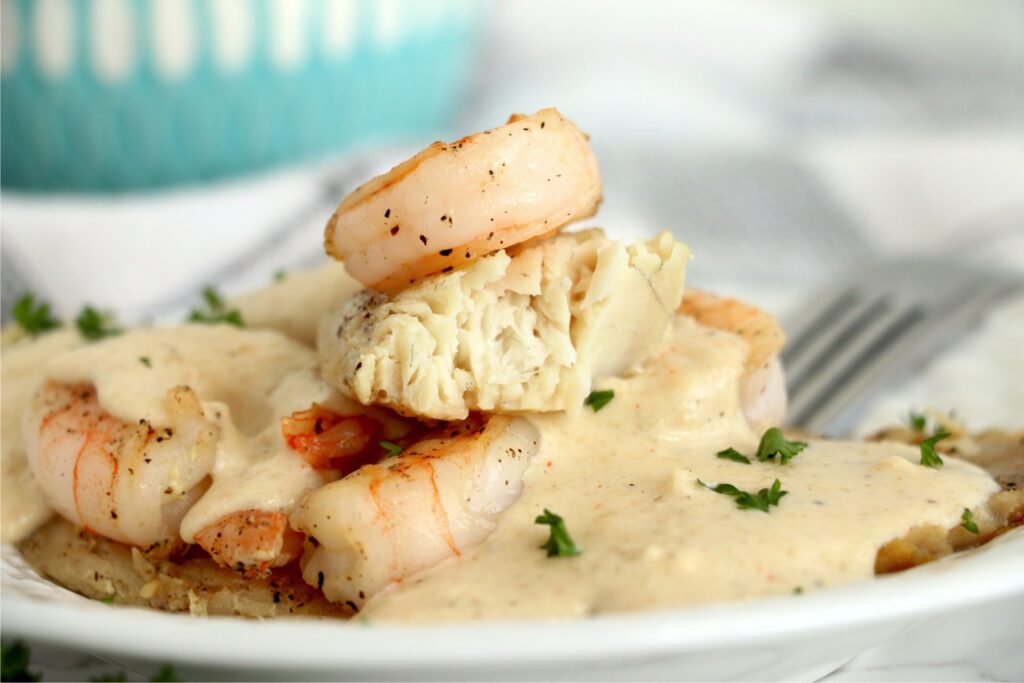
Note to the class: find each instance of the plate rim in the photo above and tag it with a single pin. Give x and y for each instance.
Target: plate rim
(986, 573)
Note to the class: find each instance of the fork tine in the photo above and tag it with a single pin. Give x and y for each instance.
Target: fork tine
(858, 321)
(857, 368)
(829, 316)
(832, 381)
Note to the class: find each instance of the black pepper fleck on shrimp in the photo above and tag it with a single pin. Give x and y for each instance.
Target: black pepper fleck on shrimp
(457, 201)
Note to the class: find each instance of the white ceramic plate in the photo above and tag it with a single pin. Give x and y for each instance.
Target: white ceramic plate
(803, 636)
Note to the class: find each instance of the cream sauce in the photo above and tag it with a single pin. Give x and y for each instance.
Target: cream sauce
(260, 471)
(295, 304)
(625, 481)
(23, 506)
(132, 373)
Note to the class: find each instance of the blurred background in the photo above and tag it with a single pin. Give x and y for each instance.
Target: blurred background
(153, 146)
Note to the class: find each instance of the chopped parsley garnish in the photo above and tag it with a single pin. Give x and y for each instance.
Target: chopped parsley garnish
(968, 521)
(773, 443)
(94, 325)
(166, 674)
(916, 421)
(146, 361)
(559, 543)
(108, 600)
(745, 500)
(798, 590)
(391, 448)
(929, 458)
(216, 311)
(599, 399)
(33, 317)
(280, 275)
(734, 455)
(14, 663)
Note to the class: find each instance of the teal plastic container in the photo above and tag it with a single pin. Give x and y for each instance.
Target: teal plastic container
(110, 95)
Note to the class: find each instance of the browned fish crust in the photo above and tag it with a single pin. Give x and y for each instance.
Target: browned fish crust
(102, 569)
(1001, 454)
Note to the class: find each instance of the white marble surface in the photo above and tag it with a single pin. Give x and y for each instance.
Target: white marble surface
(984, 643)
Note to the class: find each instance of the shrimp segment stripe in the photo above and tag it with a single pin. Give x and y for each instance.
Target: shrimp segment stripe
(440, 515)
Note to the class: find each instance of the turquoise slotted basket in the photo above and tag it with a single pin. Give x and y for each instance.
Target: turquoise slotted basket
(292, 90)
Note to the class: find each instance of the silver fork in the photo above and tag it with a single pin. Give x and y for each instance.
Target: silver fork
(877, 326)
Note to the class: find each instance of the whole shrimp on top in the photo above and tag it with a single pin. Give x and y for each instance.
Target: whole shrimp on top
(457, 201)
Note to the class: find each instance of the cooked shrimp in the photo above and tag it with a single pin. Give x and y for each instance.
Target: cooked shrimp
(763, 392)
(323, 444)
(242, 521)
(760, 330)
(327, 439)
(207, 463)
(763, 395)
(457, 201)
(251, 541)
(131, 482)
(387, 521)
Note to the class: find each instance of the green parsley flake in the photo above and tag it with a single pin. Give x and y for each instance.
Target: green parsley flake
(761, 500)
(14, 658)
(734, 455)
(929, 458)
(391, 448)
(559, 543)
(94, 325)
(216, 311)
(166, 674)
(599, 399)
(916, 421)
(146, 361)
(280, 275)
(773, 443)
(108, 600)
(968, 521)
(33, 317)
